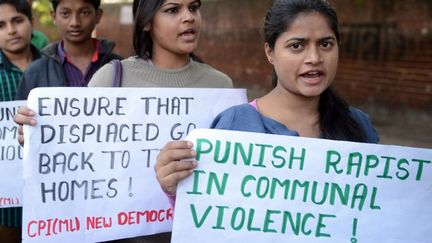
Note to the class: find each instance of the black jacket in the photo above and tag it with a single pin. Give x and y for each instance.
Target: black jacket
(48, 70)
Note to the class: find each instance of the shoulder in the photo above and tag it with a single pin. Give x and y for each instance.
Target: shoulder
(103, 77)
(39, 65)
(50, 50)
(365, 124)
(43, 72)
(359, 116)
(138, 67)
(216, 77)
(242, 117)
(132, 62)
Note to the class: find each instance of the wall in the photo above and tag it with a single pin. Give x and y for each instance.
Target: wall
(386, 56)
(111, 28)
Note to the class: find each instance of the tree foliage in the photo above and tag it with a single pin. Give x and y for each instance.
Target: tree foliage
(42, 11)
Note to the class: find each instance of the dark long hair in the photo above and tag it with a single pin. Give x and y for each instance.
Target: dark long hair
(335, 120)
(143, 13)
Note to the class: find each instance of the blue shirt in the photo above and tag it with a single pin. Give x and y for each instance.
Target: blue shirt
(247, 119)
(74, 76)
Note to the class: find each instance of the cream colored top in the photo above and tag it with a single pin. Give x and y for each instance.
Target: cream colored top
(139, 73)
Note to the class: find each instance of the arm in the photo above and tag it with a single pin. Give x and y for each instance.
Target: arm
(103, 77)
(365, 124)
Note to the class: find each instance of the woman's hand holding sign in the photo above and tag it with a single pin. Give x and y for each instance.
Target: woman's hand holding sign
(24, 116)
(171, 166)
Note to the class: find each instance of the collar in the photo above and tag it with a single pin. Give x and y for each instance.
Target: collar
(95, 56)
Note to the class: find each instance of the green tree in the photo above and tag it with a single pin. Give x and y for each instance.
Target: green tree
(42, 10)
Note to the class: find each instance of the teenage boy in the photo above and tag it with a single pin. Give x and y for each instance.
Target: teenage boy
(16, 53)
(72, 61)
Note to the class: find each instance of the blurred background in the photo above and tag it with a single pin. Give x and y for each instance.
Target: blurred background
(385, 55)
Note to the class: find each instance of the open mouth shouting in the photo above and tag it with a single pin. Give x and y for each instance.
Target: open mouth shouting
(188, 35)
(312, 76)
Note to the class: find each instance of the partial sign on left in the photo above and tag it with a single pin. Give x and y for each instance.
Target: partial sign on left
(11, 155)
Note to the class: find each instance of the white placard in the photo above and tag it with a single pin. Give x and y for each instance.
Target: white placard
(252, 187)
(10, 157)
(89, 168)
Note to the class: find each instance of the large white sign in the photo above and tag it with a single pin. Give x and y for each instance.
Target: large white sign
(88, 164)
(252, 187)
(11, 181)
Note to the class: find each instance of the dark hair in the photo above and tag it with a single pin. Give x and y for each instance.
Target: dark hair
(21, 6)
(143, 13)
(95, 3)
(335, 119)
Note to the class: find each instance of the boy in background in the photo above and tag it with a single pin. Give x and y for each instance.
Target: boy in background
(72, 61)
(16, 53)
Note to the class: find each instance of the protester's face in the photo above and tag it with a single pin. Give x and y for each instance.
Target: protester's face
(305, 56)
(176, 27)
(76, 20)
(15, 30)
